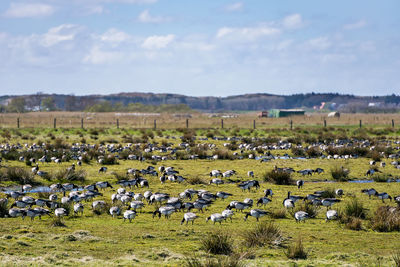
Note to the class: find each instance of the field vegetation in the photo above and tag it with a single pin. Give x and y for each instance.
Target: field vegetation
(366, 233)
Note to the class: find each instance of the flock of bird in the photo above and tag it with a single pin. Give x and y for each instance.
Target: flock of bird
(127, 203)
(67, 198)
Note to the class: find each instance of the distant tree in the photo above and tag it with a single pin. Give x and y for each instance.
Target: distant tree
(48, 104)
(17, 105)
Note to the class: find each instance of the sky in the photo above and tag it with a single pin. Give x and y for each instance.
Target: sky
(199, 48)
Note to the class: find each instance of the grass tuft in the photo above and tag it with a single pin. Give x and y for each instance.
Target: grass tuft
(396, 258)
(355, 208)
(278, 177)
(217, 242)
(57, 222)
(340, 173)
(262, 235)
(386, 219)
(296, 251)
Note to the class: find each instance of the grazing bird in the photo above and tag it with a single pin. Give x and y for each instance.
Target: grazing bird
(115, 211)
(189, 216)
(328, 202)
(384, 196)
(227, 214)
(268, 192)
(216, 181)
(223, 195)
(288, 202)
(103, 185)
(15, 212)
(216, 217)
(78, 208)
(339, 192)
(370, 192)
(256, 213)
(331, 215)
(300, 184)
(103, 169)
(301, 216)
(263, 201)
(60, 212)
(294, 198)
(136, 205)
(129, 215)
(250, 174)
(165, 210)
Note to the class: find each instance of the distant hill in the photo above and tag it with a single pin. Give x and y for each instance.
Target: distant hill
(246, 102)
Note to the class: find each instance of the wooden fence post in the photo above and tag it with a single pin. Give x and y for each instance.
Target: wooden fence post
(117, 123)
(18, 122)
(187, 123)
(392, 123)
(155, 124)
(360, 123)
(55, 123)
(254, 124)
(222, 123)
(324, 123)
(291, 125)
(82, 123)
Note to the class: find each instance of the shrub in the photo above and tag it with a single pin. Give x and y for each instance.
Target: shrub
(57, 222)
(224, 154)
(298, 151)
(296, 251)
(278, 214)
(340, 173)
(110, 160)
(120, 176)
(355, 208)
(278, 177)
(328, 193)
(196, 180)
(396, 258)
(354, 223)
(3, 209)
(313, 152)
(70, 176)
(386, 220)
(224, 261)
(382, 178)
(217, 242)
(262, 235)
(17, 174)
(374, 155)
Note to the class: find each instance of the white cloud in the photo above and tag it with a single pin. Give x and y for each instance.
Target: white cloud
(97, 56)
(62, 33)
(320, 43)
(145, 17)
(293, 21)
(247, 33)
(357, 25)
(234, 7)
(158, 41)
(114, 36)
(27, 10)
(95, 10)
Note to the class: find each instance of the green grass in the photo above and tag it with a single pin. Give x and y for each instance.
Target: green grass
(100, 240)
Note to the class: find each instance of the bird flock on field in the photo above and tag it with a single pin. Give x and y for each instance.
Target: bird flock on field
(65, 199)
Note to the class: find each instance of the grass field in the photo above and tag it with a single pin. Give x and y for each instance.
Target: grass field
(101, 240)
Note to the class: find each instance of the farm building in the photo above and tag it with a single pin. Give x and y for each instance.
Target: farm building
(280, 113)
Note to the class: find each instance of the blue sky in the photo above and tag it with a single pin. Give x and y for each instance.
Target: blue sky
(200, 48)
